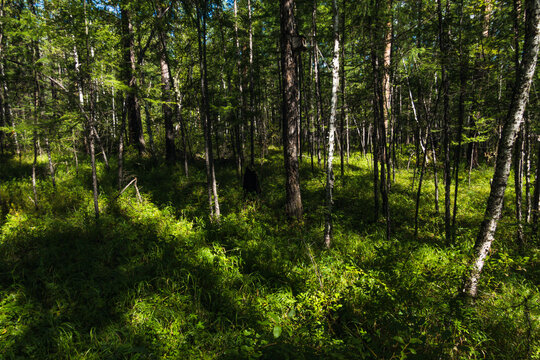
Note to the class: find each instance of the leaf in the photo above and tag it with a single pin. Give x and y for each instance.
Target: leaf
(399, 339)
(291, 314)
(274, 317)
(277, 331)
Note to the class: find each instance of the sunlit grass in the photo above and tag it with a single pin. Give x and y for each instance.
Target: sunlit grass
(156, 279)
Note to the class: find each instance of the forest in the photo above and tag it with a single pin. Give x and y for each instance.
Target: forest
(269, 179)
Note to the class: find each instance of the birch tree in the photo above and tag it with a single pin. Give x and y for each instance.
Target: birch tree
(503, 163)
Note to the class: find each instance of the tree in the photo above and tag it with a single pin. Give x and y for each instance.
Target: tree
(202, 11)
(129, 76)
(511, 126)
(331, 130)
(289, 47)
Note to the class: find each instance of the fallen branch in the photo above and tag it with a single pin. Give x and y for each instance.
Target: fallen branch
(134, 182)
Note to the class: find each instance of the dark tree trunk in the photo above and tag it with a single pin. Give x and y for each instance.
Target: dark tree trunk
(166, 97)
(128, 73)
(121, 147)
(444, 46)
(290, 110)
(205, 115)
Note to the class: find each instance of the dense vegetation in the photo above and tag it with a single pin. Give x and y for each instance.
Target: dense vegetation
(156, 280)
(381, 134)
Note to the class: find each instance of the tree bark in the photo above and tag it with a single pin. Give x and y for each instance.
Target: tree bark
(503, 163)
(251, 90)
(166, 94)
(331, 131)
(293, 205)
(318, 99)
(444, 46)
(205, 115)
(128, 72)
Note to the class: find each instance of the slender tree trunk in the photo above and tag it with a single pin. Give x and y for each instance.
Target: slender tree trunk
(240, 117)
(75, 157)
(290, 110)
(37, 112)
(535, 208)
(251, 89)
(435, 176)
(166, 96)
(504, 156)
(205, 116)
(461, 119)
(443, 42)
(331, 130)
(8, 116)
(343, 147)
(49, 158)
(527, 169)
(121, 147)
(518, 185)
(129, 70)
(183, 129)
(319, 113)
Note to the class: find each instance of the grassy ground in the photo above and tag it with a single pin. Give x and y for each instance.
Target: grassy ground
(156, 280)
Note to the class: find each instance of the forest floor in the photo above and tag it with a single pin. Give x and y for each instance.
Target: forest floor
(155, 279)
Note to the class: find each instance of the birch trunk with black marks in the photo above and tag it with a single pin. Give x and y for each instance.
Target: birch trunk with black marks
(331, 131)
(503, 163)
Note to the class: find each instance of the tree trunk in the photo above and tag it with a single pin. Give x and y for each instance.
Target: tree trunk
(240, 116)
(535, 208)
(128, 73)
(518, 185)
(205, 116)
(121, 147)
(461, 118)
(444, 46)
(49, 158)
(166, 95)
(290, 110)
(319, 113)
(331, 131)
(343, 147)
(504, 155)
(251, 90)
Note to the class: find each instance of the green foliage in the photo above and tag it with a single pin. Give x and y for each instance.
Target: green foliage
(154, 279)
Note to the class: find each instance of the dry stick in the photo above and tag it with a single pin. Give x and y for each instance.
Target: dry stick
(137, 190)
(134, 180)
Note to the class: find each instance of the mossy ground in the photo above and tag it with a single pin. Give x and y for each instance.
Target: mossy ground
(157, 280)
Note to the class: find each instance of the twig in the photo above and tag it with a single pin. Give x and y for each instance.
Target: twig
(137, 190)
(124, 189)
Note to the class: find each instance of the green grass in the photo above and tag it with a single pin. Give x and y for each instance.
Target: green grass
(157, 280)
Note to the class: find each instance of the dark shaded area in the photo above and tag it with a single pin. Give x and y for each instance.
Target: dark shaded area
(251, 182)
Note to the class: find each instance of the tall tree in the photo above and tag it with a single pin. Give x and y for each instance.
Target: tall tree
(444, 40)
(331, 130)
(503, 163)
(129, 72)
(289, 46)
(213, 200)
(166, 86)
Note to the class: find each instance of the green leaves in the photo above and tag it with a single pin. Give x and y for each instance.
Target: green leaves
(277, 331)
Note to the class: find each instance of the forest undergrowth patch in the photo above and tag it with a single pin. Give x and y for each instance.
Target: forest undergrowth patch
(156, 279)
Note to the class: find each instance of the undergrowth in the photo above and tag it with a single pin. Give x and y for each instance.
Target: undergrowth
(156, 280)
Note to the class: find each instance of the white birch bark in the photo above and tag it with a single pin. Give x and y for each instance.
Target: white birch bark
(504, 155)
(331, 131)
